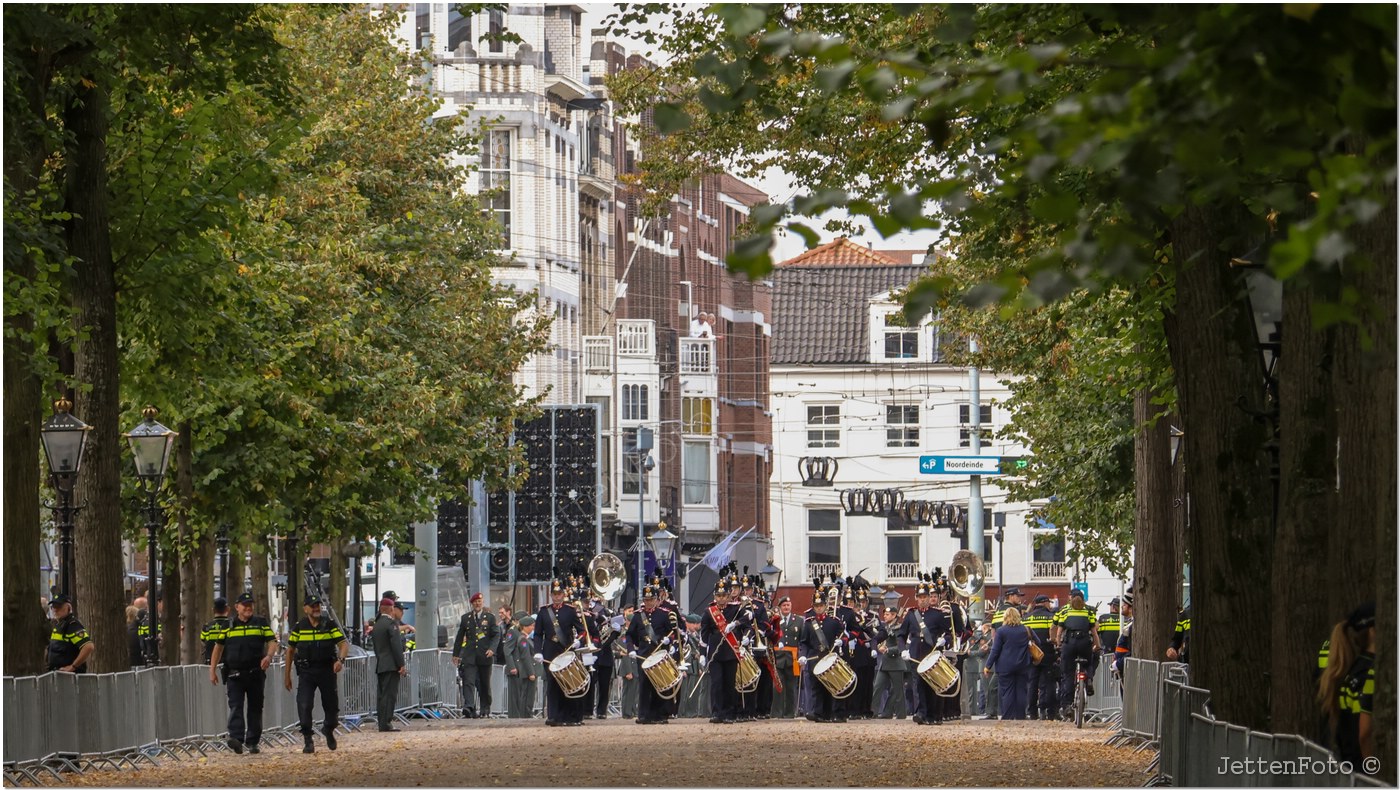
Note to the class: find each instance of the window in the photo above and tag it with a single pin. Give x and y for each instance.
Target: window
(495, 178)
(696, 468)
(459, 29)
(422, 24)
(818, 417)
(824, 539)
(634, 401)
(496, 22)
(629, 461)
(1050, 550)
(902, 425)
(965, 417)
(902, 343)
(697, 415)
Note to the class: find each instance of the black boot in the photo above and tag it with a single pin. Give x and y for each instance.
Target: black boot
(310, 747)
(330, 738)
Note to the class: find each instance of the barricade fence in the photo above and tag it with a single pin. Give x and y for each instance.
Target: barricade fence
(1161, 709)
(68, 721)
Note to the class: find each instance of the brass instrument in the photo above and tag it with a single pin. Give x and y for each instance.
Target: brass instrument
(606, 576)
(966, 574)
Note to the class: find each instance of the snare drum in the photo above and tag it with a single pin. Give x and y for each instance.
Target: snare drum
(939, 673)
(834, 673)
(746, 676)
(572, 676)
(660, 668)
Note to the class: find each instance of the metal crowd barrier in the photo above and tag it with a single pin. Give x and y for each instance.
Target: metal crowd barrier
(1107, 703)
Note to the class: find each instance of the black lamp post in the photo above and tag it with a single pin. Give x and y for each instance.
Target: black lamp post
(150, 444)
(64, 437)
(354, 551)
(293, 574)
(771, 575)
(221, 541)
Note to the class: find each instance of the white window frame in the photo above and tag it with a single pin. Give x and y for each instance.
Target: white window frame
(635, 402)
(494, 177)
(825, 427)
(690, 484)
(839, 534)
(706, 423)
(911, 433)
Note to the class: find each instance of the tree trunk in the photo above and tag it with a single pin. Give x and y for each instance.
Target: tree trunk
(170, 619)
(1156, 567)
(237, 571)
(262, 590)
(1222, 402)
(25, 152)
(98, 534)
(1365, 556)
(196, 572)
(1307, 482)
(336, 586)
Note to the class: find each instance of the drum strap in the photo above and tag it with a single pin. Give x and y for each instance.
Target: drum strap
(821, 635)
(651, 633)
(558, 629)
(923, 630)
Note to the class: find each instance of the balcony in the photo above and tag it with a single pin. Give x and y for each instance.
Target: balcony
(1047, 570)
(697, 356)
(636, 338)
(598, 355)
(822, 570)
(901, 571)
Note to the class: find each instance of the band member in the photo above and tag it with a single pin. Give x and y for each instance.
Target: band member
(889, 697)
(787, 629)
(557, 629)
(759, 704)
(950, 707)
(722, 627)
(604, 637)
(652, 629)
(924, 632)
(820, 636)
(862, 650)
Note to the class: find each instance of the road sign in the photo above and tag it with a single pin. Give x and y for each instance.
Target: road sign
(960, 464)
(1083, 588)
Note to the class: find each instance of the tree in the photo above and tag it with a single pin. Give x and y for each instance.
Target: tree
(1182, 141)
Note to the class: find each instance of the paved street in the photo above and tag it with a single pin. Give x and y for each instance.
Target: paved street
(689, 753)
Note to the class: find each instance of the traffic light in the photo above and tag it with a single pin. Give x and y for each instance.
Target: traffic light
(1014, 465)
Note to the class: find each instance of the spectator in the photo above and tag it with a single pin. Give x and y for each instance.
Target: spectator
(1347, 686)
(135, 651)
(977, 659)
(1010, 659)
(1124, 649)
(697, 325)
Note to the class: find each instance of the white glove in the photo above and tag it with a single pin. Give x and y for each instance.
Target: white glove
(940, 644)
(539, 656)
(666, 641)
(729, 629)
(577, 644)
(684, 666)
(702, 662)
(904, 654)
(746, 641)
(589, 659)
(874, 653)
(802, 660)
(631, 654)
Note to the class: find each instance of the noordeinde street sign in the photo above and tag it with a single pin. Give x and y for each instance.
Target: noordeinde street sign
(960, 464)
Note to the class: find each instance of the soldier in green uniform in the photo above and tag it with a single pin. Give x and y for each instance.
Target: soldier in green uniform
(629, 669)
(474, 651)
(69, 643)
(521, 675)
(209, 634)
(695, 690)
(318, 648)
(787, 627)
(888, 694)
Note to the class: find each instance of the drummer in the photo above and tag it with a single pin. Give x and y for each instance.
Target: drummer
(653, 633)
(820, 634)
(557, 631)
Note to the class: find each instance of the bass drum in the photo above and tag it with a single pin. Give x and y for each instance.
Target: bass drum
(834, 673)
(660, 668)
(568, 669)
(940, 674)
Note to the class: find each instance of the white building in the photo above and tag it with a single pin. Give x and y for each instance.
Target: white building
(851, 383)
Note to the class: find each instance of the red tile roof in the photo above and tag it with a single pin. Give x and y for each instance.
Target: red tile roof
(844, 252)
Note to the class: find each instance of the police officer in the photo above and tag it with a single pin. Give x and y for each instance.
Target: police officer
(557, 630)
(408, 632)
(1124, 648)
(1043, 693)
(245, 649)
(209, 634)
(1180, 649)
(1109, 626)
(1077, 634)
(69, 643)
(474, 651)
(318, 648)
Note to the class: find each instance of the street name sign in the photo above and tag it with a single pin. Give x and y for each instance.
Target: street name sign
(960, 464)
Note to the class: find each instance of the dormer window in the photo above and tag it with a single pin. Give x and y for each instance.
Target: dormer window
(895, 340)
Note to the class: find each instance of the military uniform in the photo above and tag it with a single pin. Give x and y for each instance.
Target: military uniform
(821, 634)
(648, 633)
(519, 658)
(66, 640)
(861, 652)
(722, 658)
(1078, 633)
(242, 647)
(1044, 691)
(787, 630)
(694, 699)
(624, 666)
(557, 628)
(605, 666)
(925, 631)
(888, 698)
(315, 649)
(475, 647)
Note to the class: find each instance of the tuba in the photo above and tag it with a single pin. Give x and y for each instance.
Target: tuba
(606, 576)
(965, 574)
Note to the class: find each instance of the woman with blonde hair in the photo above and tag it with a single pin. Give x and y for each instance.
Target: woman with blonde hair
(1010, 658)
(1346, 687)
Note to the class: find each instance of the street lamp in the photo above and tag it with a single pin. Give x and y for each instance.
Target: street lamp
(64, 437)
(150, 445)
(663, 543)
(645, 463)
(771, 575)
(354, 551)
(221, 541)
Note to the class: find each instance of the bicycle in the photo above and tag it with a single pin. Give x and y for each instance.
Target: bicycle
(1081, 692)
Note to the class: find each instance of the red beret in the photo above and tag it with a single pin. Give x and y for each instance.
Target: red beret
(476, 597)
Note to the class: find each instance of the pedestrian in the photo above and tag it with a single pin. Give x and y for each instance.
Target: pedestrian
(318, 648)
(1347, 687)
(473, 652)
(209, 635)
(69, 643)
(389, 664)
(1010, 659)
(245, 649)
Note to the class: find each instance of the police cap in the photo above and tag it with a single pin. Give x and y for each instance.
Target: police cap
(311, 600)
(59, 600)
(246, 597)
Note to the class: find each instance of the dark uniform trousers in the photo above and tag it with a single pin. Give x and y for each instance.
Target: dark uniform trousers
(478, 677)
(1042, 686)
(310, 679)
(724, 698)
(887, 696)
(245, 705)
(388, 698)
(824, 706)
(1077, 644)
(601, 690)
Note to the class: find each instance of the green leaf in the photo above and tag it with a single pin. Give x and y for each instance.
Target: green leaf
(671, 118)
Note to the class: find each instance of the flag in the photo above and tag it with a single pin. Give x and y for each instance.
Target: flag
(716, 558)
